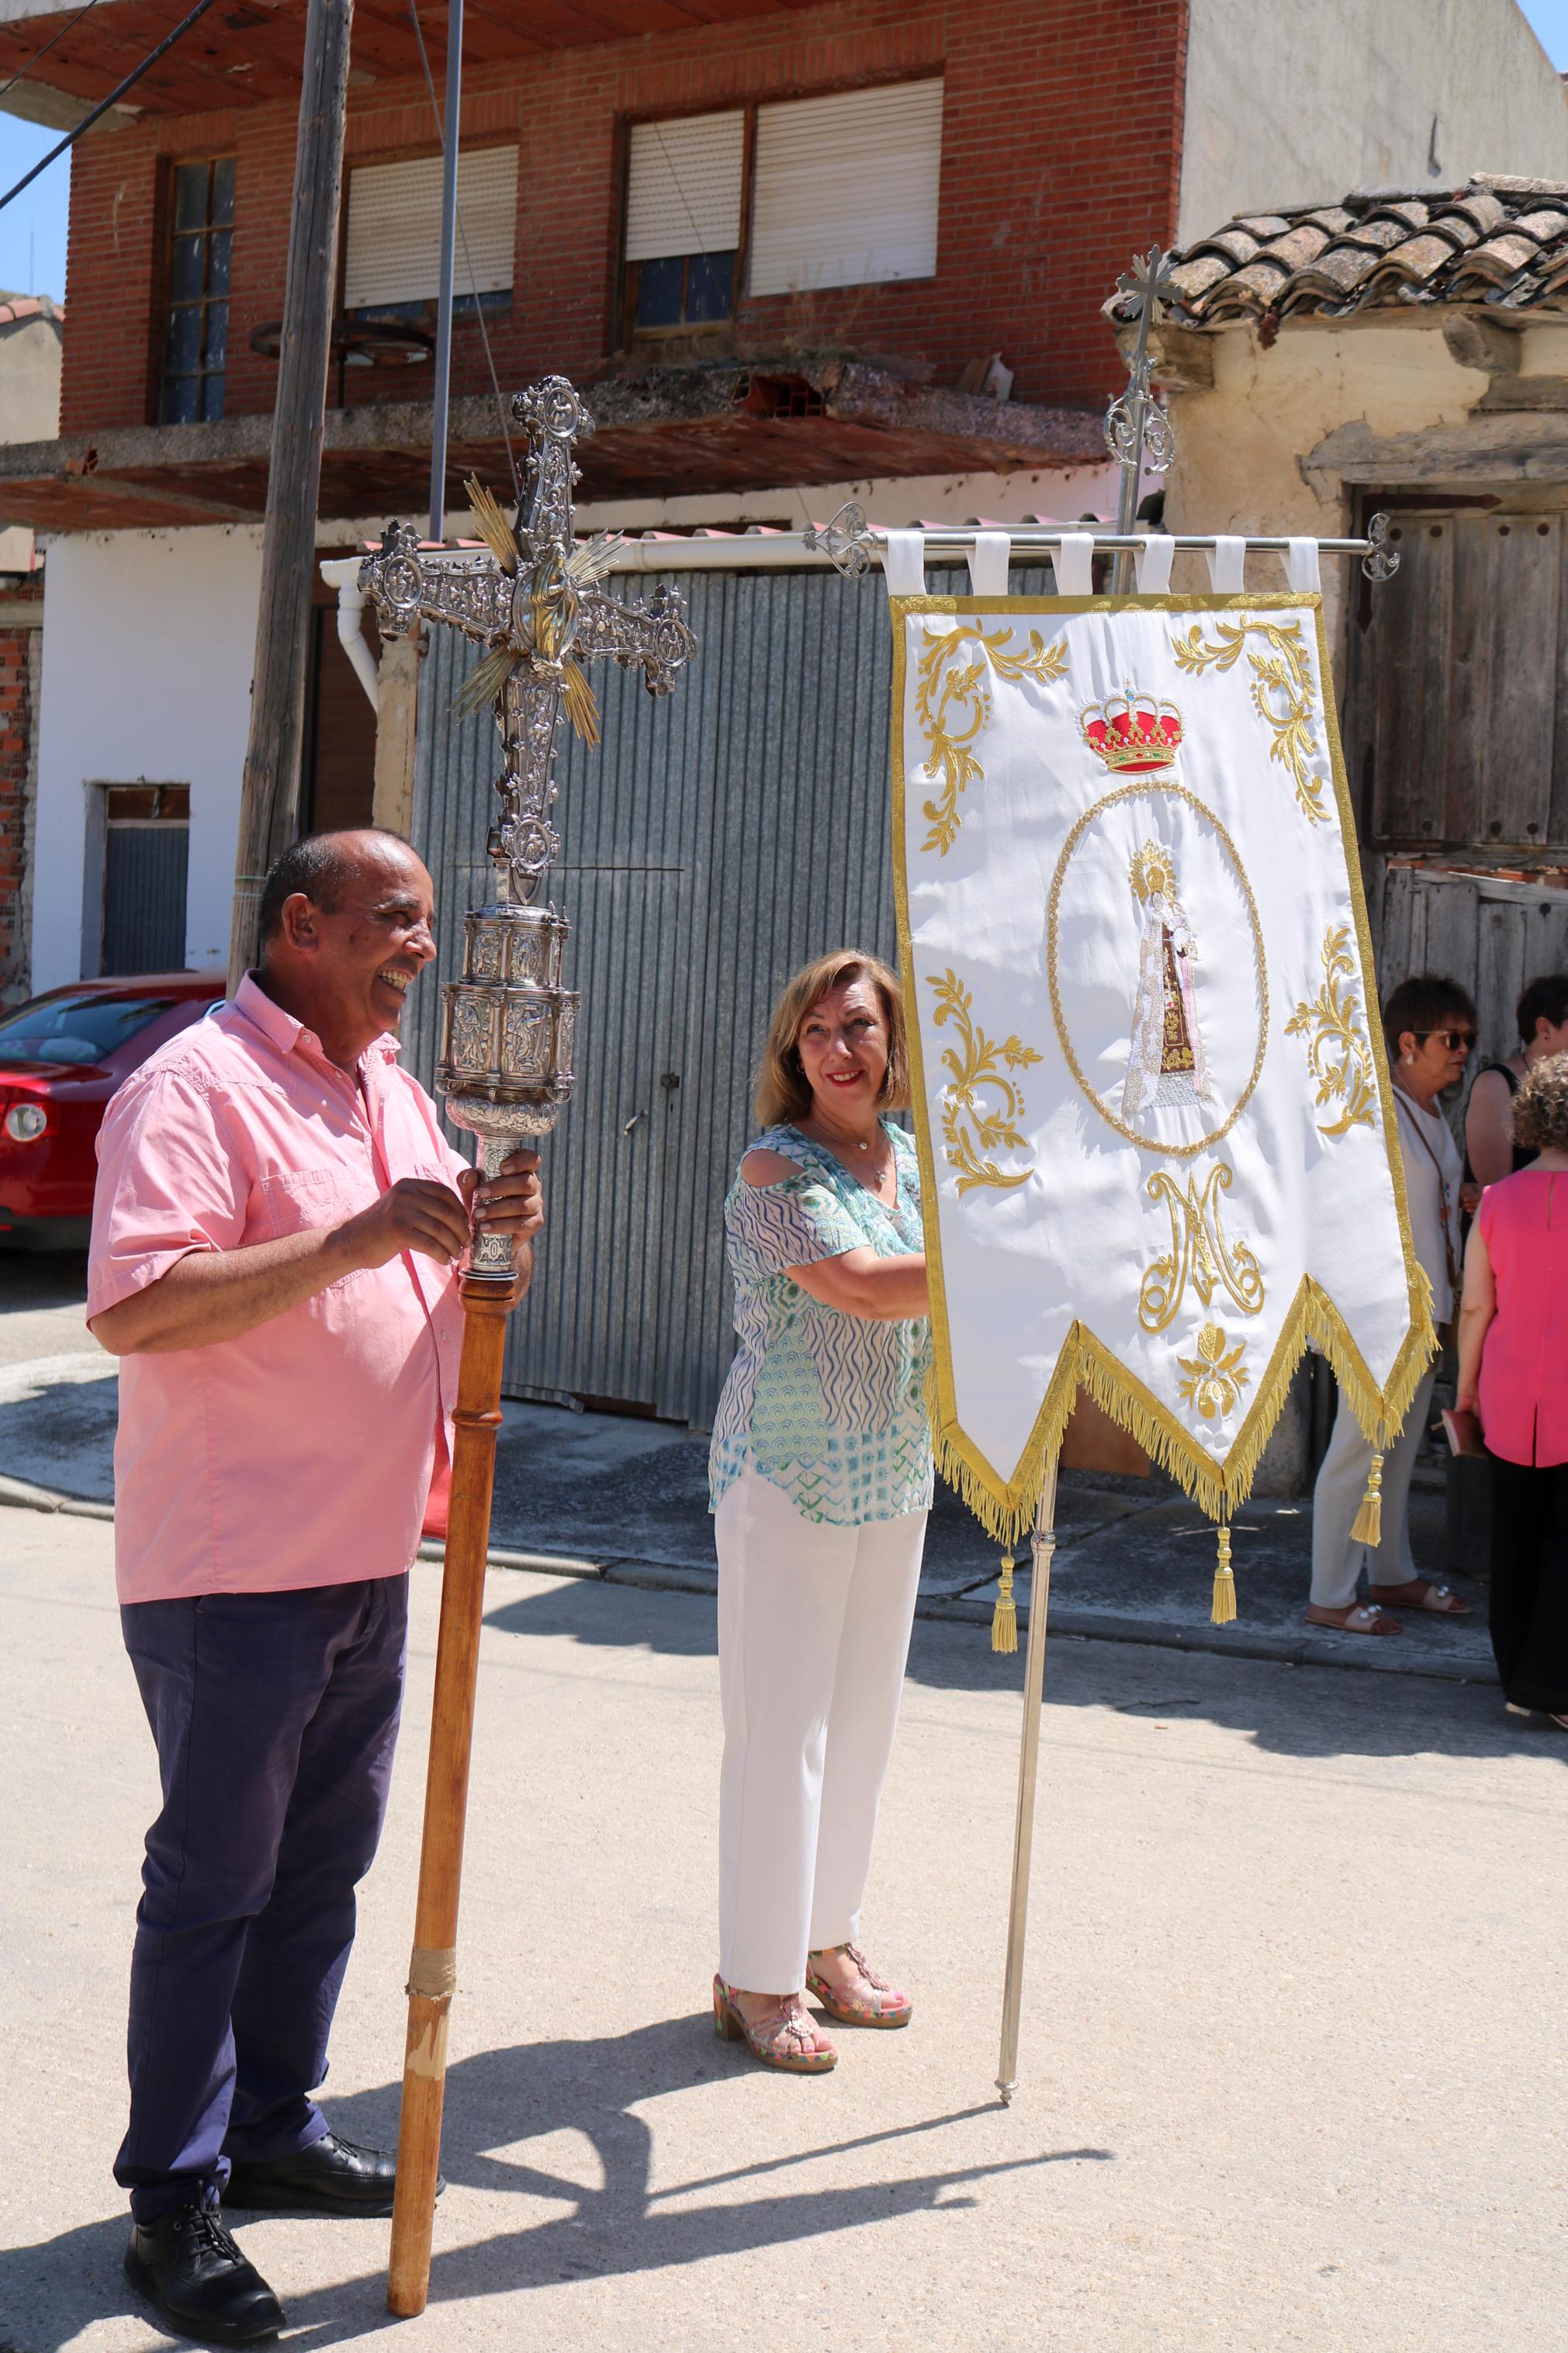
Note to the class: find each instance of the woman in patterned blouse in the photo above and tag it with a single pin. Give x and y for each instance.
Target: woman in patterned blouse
(820, 1482)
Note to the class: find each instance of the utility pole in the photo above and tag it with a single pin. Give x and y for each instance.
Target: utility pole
(270, 794)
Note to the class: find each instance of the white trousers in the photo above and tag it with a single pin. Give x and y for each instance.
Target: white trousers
(813, 1631)
(1336, 1500)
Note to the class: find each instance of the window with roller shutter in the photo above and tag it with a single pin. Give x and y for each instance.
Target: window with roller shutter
(685, 181)
(843, 191)
(391, 245)
(846, 189)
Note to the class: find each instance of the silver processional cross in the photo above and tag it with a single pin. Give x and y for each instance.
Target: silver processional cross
(533, 603)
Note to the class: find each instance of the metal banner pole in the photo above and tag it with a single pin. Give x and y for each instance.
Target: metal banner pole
(1044, 1543)
(444, 300)
(1137, 430)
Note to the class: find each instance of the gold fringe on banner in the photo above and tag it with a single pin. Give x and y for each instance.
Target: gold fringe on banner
(1007, 1507)
(1222, 1609)
(1005, 1617)
(1367, 1526)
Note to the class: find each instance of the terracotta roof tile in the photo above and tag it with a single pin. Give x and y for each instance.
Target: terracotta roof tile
(1497, 241)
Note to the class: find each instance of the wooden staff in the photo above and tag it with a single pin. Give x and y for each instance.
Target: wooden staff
(433, 1965)
(1044, 1543)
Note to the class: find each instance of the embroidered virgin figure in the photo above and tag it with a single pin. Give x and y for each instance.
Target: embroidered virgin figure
(1167, 1065)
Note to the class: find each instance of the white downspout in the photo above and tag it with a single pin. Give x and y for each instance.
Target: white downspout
(343, 574)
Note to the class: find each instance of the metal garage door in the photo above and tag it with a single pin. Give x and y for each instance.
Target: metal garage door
(711, 843)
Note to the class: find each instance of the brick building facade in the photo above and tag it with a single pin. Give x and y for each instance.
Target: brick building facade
(1037, 106)
(21, 616)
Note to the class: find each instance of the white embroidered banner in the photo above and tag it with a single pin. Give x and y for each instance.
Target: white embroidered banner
(1153, 1110)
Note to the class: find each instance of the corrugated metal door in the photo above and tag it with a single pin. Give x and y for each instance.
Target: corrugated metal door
(711, 845)
(144, 872)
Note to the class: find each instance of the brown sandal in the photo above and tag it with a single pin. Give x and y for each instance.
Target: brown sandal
(1359, 1617)
(1420, 1593)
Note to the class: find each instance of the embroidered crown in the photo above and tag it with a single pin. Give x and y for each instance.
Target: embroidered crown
(1153, 872)
(1134, 733)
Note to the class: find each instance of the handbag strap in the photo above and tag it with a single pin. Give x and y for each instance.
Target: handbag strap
(1403, 1102)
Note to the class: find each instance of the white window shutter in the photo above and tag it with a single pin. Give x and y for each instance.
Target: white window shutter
(846, 188)
(683, 185)
(394, 246)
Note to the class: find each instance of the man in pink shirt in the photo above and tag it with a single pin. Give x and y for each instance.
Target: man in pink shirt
(276, 1232)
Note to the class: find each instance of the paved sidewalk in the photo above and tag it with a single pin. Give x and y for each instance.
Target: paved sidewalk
(627, 1500)
(1291, 2075)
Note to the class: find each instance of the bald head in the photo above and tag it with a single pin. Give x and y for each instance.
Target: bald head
(345, 931)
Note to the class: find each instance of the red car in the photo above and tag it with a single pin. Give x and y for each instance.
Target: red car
(62, 1055)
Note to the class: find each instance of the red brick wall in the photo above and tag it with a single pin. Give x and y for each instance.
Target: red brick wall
(16, 734)
(1060, 156)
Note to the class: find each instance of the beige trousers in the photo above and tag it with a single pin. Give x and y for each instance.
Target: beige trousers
(813, 1631)
(1336, 1500)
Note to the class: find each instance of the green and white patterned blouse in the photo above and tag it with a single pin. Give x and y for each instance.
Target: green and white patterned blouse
(829, 1408)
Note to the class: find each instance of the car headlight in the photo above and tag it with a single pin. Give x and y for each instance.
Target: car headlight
(26, 1122)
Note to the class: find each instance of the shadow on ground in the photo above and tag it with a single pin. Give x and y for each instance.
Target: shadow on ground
(497, 2102)
(1298, 1710)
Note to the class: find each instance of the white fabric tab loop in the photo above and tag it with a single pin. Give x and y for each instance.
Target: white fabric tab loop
(904, 563)
(1301, 567)
(1152, 560)
(1075, 564)
(988, 564)
(1227, 565)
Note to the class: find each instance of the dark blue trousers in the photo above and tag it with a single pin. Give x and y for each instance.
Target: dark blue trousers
(276, 1717)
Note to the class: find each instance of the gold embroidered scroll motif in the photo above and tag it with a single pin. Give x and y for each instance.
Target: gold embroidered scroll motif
(1281, 693)
(1200, 1253)
(970, 1133)
(1339, 1052)
(952, 704)
(1216, 1376)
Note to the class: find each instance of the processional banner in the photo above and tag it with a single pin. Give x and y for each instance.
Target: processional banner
(1152, 1102)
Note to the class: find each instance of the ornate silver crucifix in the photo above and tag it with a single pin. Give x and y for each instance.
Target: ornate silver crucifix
(533, 604)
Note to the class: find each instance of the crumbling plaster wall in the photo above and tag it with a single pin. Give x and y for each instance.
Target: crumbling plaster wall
(1240, 447)
(1294, 105)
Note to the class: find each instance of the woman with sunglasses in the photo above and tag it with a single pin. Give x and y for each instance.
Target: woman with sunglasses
(1429, 1025)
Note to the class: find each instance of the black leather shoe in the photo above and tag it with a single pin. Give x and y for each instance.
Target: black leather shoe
(330, 2176)
(201, 2283)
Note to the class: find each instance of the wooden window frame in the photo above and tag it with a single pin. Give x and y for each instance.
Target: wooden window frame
(705, 331)
(165, 216)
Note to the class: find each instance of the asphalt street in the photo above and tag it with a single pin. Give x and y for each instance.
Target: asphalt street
(1292, 2064)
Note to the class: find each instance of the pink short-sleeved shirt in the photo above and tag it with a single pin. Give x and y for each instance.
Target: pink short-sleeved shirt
(1523, 1384)
(303, 1452)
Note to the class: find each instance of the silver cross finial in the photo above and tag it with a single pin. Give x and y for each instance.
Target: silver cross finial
(534, 604)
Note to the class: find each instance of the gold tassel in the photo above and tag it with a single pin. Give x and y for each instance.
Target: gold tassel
(1224, 1609)
(1005, 1617)
(1368, 1525)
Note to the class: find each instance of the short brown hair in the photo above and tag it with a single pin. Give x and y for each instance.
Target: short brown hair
(1540, 1106)
(783, 1093)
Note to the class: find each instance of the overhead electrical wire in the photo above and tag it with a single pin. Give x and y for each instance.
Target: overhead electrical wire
(467, 257)
(118, 92)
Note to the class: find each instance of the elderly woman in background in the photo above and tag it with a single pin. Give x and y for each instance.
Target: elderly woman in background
(1492, 1150)
(1513, 1373)
(1429, 1026)
(821, 1482)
